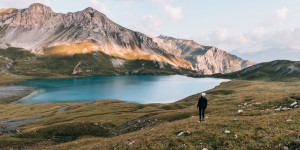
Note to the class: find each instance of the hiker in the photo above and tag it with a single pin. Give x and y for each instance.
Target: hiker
(202, 104)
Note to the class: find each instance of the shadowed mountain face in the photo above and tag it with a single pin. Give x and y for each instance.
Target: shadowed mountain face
(205, 59)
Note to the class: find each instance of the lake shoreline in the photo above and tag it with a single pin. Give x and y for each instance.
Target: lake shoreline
(11, 94)
(12, 82)
(208, 84)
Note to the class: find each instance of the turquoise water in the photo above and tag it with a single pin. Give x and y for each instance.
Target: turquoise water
(137, 89)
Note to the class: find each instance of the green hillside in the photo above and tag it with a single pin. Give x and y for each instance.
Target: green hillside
(113, 124)
(90, 64)
(278, 70)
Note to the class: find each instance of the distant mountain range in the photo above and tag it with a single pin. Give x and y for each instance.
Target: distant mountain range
(88, 43)
(270, 54)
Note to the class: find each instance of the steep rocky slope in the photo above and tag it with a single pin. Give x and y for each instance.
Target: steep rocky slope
(43, 31)
(205, 59)
(56, 37)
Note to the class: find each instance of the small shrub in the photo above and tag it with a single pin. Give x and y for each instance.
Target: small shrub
(221, 92)
(172, 106)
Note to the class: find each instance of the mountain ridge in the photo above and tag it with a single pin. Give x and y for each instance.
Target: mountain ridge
(205, 59)
(46, 33)
(38, 27)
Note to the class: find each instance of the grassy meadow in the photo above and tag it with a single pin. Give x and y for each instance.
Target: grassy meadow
(113, 124)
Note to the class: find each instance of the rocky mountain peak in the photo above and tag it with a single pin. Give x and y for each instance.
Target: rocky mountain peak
(90, 9)
(40, 9)
(91, 13)
(165, 37)
(44, 32)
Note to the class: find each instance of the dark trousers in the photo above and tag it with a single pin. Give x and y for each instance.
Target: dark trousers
(201, 112)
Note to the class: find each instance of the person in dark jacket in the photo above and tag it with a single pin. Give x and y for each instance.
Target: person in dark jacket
(202, 104)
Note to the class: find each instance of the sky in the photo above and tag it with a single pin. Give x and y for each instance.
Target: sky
(242, 25)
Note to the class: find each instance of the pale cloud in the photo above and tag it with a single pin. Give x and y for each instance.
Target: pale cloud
(284, 37)
(174, 12)
(280, 16)
(150, 24)
(282, 13)
(258, 32)
(255, 39)
(102, 7)
(21, 3)
(272, 33)
(221, 34)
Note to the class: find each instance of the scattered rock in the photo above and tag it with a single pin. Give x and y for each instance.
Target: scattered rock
(257, 103)
(289, 120)
(278, 109)
(226, 131)
(180, 134)
(240, 111)
(293, 104)
(284, 109)
(131, 143)
(292, 70)
(184, 133)
(200, 142)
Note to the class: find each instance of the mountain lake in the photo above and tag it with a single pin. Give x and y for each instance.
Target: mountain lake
(136, 88)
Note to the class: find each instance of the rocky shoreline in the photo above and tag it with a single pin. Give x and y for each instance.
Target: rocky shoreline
(13, 93)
